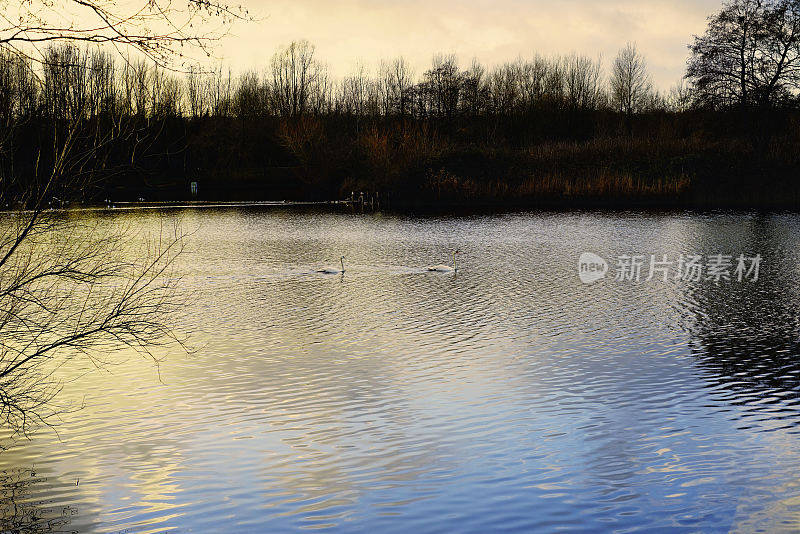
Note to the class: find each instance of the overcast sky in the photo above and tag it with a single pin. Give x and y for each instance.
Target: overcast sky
(347, 32)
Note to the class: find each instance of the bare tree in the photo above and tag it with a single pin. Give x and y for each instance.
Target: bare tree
(749, 54)
(194, 93)
(354, 93)
(631, 86)
(394, 84)
(475, 95)
(295, 74)
(723, 59)
(321, 100)
(402, 80)
(504, 89)
(221, 90)
(532, 77)
(69, 289)
(250, 97)
(444, 84)
(582, 77)
(680, 97)
(162, 30)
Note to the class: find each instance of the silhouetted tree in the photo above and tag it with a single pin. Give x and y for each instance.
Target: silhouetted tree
(158, 29)
(582, 82)
(354, 94)
(295, 75)
(680, 97)
(68, 290)
(475, 95)
(443, 82)
(631, 87)
(749, 55)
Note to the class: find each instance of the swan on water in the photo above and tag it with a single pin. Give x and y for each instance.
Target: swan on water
(331, 270)
(446, 268)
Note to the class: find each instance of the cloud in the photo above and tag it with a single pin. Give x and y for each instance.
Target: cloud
(348, 32)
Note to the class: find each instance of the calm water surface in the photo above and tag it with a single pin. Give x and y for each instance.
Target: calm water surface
(508, 397)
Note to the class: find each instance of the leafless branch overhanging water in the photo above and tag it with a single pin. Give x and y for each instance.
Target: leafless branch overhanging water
(71, 289)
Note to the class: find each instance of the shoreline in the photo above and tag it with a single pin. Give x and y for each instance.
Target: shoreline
(455, 209)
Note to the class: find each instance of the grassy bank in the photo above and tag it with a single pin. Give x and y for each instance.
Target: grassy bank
(689, 159)
(613, 172)
(659, 162)
(675, 160)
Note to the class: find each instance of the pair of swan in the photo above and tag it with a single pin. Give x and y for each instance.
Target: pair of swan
(433, 268)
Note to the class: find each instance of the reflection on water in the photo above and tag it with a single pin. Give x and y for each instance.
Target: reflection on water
(508, 396)
(20, 512)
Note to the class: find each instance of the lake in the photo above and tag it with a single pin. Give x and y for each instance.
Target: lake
(509, 396)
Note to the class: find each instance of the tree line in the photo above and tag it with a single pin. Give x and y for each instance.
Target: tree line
(748, 57)
(79, 82)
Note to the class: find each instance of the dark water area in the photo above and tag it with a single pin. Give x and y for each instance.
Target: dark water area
(508, 396)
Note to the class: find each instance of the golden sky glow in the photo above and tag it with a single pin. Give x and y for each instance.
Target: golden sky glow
(349, 32)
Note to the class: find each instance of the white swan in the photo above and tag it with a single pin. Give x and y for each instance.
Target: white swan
(446, 268)
(331, 270)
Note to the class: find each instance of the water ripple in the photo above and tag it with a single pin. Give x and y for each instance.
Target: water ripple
(505, 397)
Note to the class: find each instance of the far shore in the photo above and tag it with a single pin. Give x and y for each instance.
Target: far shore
(455, 209)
